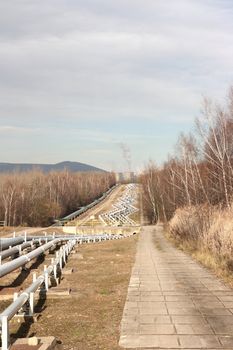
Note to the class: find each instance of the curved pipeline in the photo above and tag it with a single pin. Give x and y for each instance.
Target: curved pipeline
(5, 243)
(24, 259)
(15, 250)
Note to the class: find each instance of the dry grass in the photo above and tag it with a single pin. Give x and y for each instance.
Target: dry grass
(19, 230)
(216, 264)
(100, 208)
(90, 317)
(207, 234)
(8, 230)
(136, 217)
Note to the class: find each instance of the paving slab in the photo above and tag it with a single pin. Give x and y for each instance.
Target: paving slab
(173, 302)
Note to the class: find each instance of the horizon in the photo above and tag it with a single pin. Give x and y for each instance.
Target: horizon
(108, 84)
(60, 162)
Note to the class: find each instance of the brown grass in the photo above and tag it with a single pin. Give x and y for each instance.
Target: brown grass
(207, 234)
(6, 230)
(216, 264)
(90, 317)
(102, 207)
(136, 217)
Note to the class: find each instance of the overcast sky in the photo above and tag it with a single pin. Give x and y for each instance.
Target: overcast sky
(80, 77)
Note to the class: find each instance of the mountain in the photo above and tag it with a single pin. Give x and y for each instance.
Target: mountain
(71, 166)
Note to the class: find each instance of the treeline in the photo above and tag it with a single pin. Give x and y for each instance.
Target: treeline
(193, 190)
(200, 170)
(36, 199)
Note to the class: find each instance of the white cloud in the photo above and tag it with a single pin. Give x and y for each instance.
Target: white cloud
(77, 61)
(9, 129)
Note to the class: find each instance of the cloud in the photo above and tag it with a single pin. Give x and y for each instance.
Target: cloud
(82, 63)
(9, 129)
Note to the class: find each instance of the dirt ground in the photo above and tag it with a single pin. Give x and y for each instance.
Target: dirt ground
(90, 317)
(31, 231)
(7, 231)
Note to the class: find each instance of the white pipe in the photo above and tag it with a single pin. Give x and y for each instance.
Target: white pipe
(24, 259)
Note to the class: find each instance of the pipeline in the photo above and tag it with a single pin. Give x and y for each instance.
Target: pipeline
(17, 250)
(28, 294)
(74, 215)
(24, 259)
(21, 300)
(5, 243)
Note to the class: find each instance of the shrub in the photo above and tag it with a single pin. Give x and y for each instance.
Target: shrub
(205, 228)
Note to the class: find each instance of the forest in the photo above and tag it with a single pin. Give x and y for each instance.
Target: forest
(193, 190)
(35, 199)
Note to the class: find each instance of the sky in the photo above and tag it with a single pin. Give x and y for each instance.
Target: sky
(81, 78)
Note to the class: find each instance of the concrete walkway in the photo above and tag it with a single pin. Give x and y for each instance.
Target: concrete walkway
(173, 302)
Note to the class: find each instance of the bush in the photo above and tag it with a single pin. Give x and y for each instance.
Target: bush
(189, 223)
(205, 228)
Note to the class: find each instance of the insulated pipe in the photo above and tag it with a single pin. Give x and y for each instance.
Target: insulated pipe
(24, 296)
(51, 237)
(21, 300)
(5, 243)
(75, 214)
(15, 250)
(67, 237)
(22, 260)
(27, 295)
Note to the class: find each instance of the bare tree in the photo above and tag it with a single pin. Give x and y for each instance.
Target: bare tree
(201, 169)
(35, 198)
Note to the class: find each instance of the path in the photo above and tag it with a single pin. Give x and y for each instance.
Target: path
(173, 302)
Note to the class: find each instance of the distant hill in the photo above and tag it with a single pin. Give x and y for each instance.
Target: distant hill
(71, 166)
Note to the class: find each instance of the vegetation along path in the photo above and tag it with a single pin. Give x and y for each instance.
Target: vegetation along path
(173, 302)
